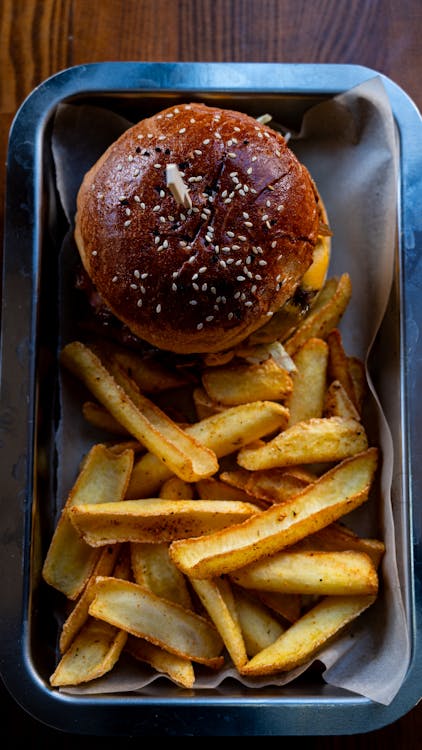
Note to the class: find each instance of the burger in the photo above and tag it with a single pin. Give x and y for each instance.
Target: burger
(197, 226)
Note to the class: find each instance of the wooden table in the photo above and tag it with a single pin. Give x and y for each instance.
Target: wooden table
(41, 37)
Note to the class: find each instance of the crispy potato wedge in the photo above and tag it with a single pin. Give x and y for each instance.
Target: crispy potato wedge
(150, 375)
(153, 569)
(100, 417)
(308, 635)
(311, 572)
(215, 489)
(309, 381)
(178, 669)
(155, 520)
(271, 486)
(70, 561)
(178, 450)
(314, 440)
(324, 315)
(338, 537)
(223, 433)
(136, 610)
(175, 488)
(79, 614)
(339, 491)
(259, 627)
(93, 653)
(338, 404)
(204, 405)
(287, 605)
(357, 374)
(217, 599)
(338, 366)
(236, 384)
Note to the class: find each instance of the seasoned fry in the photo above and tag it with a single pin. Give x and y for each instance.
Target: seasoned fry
(79, 614)
(338, 366)
(153, 569)
(222, 433)
(357, 374)
(308, 635)
(154, 520)
(150, 375)
(136, 610)
(100, 417)
(313, 440)
(215, 489)
(338, 537)
(182, 453)
(178, 669)
(204, 405)
(311, 572)
(338, 404)
(70, 561)
(271, 486)
(217, 599)
(286, 605)
(236, 384)
(93, 653)
(309, 381)
(176, 489)
(339, 491)
(322, 317)
(259, 627)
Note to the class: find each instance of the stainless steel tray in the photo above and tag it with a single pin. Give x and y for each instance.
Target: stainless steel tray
(33, 232)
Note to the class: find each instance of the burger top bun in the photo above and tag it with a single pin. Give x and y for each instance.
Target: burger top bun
(199, 278)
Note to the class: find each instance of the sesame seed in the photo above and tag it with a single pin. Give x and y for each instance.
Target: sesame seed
(174, 287)
(198, 152)
(182, 243)
(217, 135)
(193, 302)
(137, 274)
(213, 290)
(130, 157)
(150, 135)
(254, 158)
(136, 198)
(170, 217)
(119, 167)
(200, 326)
(236, 129)
(202, 269)
(157, 240)
(135, 172)
(192, 120)
(139, 303)
(165, 244)
(273, 244)
(143, 206)
(128, 223)
(253, 288)
(248, 224)
(260, 135)
(209, 318)
(204, 216)
(206, 142)
(94, 252)
(208, 238)
(227, 201)
(182, 130)
(249, 170)
(162, 219)
(270, 187)
(122, 198)
(242, 237)
(278, 152)
(222, 263)
(262, 263)
(162, 194)
(231, 154)
(158, 309)
(280, 207)
(245, 215)
(258, 277)
(194, 277)
(236, 247)
(157, 166)
(133, 286)
(204, 287)
(240, 278)
(114, 279)
(195, 286)
(156, 208)
(161, 137)
(182, 217)
(230, 234)
(230, 315)
(144, 275)
(229, 261)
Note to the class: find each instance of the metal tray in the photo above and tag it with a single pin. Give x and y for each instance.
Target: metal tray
(34, 229)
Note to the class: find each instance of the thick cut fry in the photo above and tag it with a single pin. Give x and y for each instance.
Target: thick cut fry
(338, 537)
(325, 439)
(309, 381)
(93, 653)
(357, 373)
(286, 605)
(177, 489)
(150, 375)
(155, 520)
(259, 627)
(240, 384)
(181, 452)
(153, 569)
(79, 613)
(215, 596)
(308, 635)
(178, 669)
(70, 561)
(309, 572)
(98, 416)
(338, 404)
(137, 611)
(339, 491)
(204, 405)
(222, 433)
(215, 489)
(322, 317)
(338, 366)
(272, 486)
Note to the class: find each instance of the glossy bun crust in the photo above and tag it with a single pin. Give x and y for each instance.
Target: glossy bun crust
(199, 279)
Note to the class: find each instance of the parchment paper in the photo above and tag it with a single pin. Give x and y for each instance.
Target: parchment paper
(349, 145)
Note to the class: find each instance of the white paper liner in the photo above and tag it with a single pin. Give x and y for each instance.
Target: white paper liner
(349, 145)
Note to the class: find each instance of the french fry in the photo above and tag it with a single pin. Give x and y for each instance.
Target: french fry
(176, 489)
(236, 384)
(93, 653)
(79, 614)
(271, 486)
(357, 374)
(136, 610)
(215, 489)
(322, 317)
(338, 366)
(217, 599)
(311, 572)
(286, 605)
(338, 537)
(154, 520)
(70, 561)
(153, 569)
(222, 433)
(313, 440)
(181, 452)
(339, 491)
(100, 417)
(338, 404)
(150, 375)
(307, 401)
(204, 405)
(308, 635)
(178, 669)
(259, 627)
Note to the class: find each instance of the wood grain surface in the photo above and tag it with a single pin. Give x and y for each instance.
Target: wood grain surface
(40, 37)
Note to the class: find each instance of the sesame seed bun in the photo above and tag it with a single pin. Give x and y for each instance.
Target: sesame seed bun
(200, 279)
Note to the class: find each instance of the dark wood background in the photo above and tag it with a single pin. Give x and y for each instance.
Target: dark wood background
(40, 37)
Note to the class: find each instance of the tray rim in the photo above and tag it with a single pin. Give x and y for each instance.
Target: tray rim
(327, 79)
